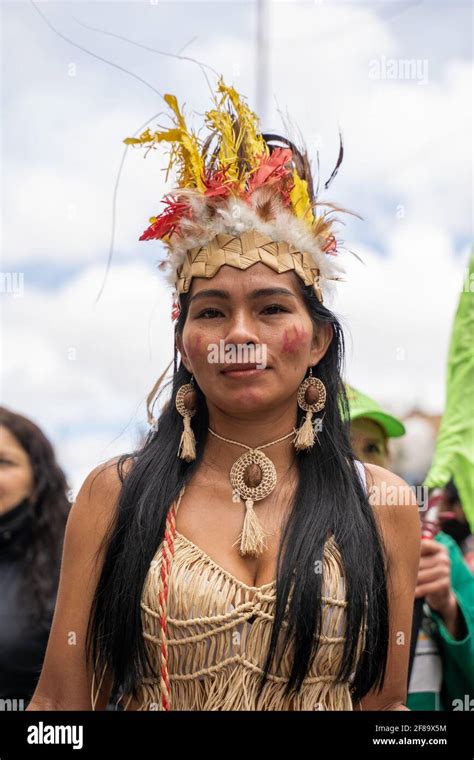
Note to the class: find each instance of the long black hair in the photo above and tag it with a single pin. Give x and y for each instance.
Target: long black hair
(40, 547)
(329, 499)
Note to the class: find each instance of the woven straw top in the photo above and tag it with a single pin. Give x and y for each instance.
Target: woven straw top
(217, 632)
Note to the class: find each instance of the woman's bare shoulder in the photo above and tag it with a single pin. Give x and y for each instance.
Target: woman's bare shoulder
(386, 489)
(101, 487)
(395, 508)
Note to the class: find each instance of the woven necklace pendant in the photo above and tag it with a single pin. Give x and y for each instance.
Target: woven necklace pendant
(253, 476)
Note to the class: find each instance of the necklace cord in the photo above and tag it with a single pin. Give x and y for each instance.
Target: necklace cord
(250, 448)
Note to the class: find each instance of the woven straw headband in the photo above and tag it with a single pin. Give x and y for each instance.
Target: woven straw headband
(242, 252)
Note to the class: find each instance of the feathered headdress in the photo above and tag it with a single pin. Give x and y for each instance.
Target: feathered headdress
(239, 199)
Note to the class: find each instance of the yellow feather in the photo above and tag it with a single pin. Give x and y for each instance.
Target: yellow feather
(240, 150)
(171, 135)
(300, 201)
(249, 119)
(221, 122)
(250, 139)
(192, 165)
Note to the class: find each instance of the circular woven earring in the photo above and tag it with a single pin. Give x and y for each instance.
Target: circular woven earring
(311, 398)
(186, 404)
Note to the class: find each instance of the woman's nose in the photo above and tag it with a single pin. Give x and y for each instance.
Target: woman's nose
(241, 330)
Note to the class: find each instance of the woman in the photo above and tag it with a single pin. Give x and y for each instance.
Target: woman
(33, 513)
(371, 428)
(187, 561)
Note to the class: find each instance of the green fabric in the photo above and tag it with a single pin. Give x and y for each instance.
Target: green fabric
(454, 453)
(457, 655)
(361, 405)
(423, 700)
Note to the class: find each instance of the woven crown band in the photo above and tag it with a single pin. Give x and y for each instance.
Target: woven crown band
(241, 252)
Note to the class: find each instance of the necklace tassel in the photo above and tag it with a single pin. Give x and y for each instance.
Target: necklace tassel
(252, 537)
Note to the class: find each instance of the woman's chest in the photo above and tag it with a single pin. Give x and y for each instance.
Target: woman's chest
(214, 524)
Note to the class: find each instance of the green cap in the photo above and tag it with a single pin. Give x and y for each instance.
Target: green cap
(363, 406)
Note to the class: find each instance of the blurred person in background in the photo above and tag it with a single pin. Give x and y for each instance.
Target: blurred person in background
(34, 507)
(456, 523)
(443, 664)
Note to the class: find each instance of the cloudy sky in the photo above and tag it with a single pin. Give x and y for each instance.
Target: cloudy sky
(79, 77)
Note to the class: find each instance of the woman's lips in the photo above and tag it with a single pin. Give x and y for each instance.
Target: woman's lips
(243, 373)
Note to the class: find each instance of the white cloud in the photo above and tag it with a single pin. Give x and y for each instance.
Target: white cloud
(398, 311)
(83, 369)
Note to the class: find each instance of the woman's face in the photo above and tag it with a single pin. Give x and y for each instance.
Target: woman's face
(16, 474)
(255, 306)
(369, 442)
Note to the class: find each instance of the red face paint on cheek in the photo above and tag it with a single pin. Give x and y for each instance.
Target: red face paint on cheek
(195, 346)
(294, 339)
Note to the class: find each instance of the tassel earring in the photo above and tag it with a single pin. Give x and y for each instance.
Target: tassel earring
(186, 404)
(311, 398)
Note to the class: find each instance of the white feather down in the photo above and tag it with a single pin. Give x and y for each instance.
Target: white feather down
(236, 216)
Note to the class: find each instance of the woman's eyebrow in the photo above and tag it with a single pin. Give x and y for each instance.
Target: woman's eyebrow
(253, 294)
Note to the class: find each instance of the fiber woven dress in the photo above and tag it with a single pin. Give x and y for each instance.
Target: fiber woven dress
(218, 631)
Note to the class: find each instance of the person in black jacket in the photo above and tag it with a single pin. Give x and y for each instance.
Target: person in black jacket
(34, 507)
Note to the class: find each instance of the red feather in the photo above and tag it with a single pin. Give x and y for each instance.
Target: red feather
(175, 309)
(331, 246)
(217, 184)
(166, 222)
(271, 169)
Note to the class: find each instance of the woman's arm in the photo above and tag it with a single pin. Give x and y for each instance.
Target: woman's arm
(66, 679)
(397, 515)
